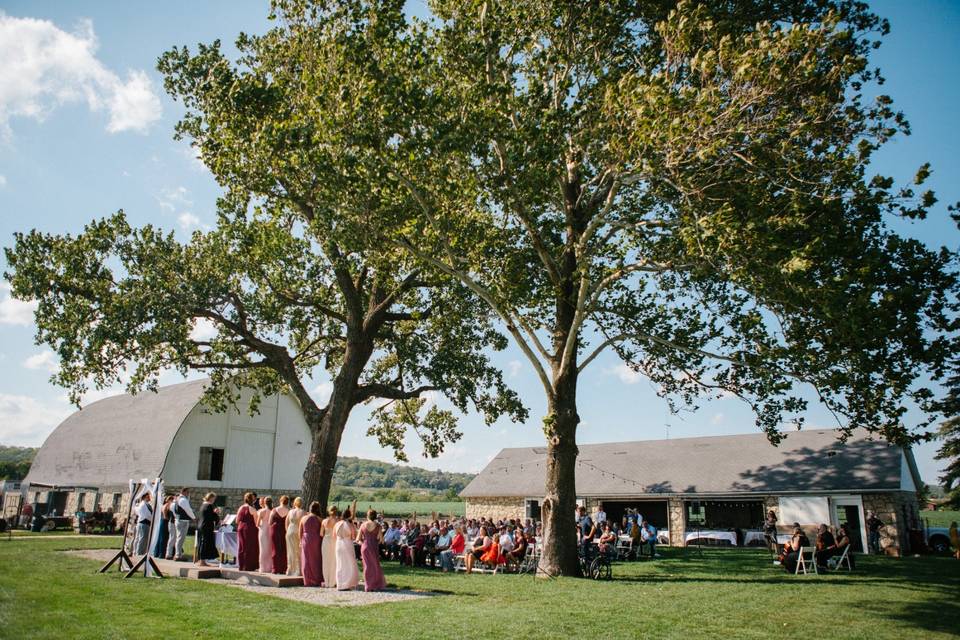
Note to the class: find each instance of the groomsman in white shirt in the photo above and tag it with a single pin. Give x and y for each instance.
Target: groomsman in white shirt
(183, 514)
(144, 517)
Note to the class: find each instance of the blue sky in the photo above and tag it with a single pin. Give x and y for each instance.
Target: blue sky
(85, 129)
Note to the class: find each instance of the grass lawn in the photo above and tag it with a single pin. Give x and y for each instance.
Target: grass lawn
(404, 509)
(940, 518)
(723, 593)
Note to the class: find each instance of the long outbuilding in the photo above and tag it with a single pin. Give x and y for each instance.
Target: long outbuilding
(88, 460)
(720, 488)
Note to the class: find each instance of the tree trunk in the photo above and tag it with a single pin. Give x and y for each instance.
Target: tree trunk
(318, 474)
(559, 556)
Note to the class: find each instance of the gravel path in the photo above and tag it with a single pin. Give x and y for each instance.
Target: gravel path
(312, 595)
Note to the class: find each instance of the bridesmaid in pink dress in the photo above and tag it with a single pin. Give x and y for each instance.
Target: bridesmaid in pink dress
(266, 548)
(369, 537)
(248, 549)
(311, 562)
(278, 537)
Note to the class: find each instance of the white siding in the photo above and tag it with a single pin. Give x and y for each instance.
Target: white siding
(906, 478)
(265, 451)
(293, 445)
(202, 428)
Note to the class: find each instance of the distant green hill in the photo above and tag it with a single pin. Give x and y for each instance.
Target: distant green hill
(15, 461)
(373, 479)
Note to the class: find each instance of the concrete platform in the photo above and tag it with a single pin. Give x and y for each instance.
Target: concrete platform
(175, 569)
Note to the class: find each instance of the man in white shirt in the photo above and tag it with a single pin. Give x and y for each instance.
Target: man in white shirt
(506, 542)
(183, 514)
(144, 517)
(601, 516)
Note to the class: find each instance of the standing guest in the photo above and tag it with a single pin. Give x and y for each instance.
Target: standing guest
(26, 515)
(144, 517)
(248, 548)
(293, 537)
(278, 535)
(587, 531)
(330, 548)
(954, 539)
(166, 516)
(263, 522)
(311, 560)
(348, 577)
(873, 531)
(457, 544)
(369, 538)
(183, 514)
(770, 529)
(206, 531)
(601, 515)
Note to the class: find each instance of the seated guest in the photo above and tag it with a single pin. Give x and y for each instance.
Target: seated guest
(457, 544)
(825, 547)
(481, 545)
(608, 539)
(391, 541)
(505, 540)
(519, 551)
(791, 550)
(441, 544)
(492, 556)
(842, 542)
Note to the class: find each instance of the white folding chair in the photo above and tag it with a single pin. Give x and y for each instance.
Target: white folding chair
(844, 559)
(806, 561)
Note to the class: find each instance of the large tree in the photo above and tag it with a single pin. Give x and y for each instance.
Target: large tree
(288, 283)
(949, 450)
(686, 184)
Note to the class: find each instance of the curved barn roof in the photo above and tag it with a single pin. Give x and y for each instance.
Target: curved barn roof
(115, 439)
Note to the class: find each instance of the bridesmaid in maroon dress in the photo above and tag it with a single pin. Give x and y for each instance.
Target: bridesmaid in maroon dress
(248, 547)
(311, 563)
(278, 535)
(370, 536)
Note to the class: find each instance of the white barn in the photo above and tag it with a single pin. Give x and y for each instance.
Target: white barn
(89, 458)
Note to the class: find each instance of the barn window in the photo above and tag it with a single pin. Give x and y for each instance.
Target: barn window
(211, 464)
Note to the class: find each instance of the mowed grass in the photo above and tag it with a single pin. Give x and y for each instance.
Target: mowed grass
(722, 593)
(940, 518)
(405, 509)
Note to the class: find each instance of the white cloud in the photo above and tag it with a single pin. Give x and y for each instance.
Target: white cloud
(43, 361)
(173, 199)
(322, 392)
(717, 419)
(513, 368)
(13, 311)
(45, 67)
(194, 159)
(188, 221)
(203, 329)
(26, 422)
(625, 373)
(3, 181)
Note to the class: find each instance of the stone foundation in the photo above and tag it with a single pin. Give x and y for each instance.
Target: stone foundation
(900, 512)
(496, 508)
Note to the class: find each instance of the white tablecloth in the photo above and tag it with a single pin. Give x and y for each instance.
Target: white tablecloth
(712, 535)
(227, 543)
(751, 536)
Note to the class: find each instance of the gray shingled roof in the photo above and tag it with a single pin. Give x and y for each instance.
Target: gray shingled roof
(112, 440)
(806, 461)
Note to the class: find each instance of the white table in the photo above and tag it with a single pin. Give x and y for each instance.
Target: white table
(711, 534)
(227, 543)
(753, 536)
